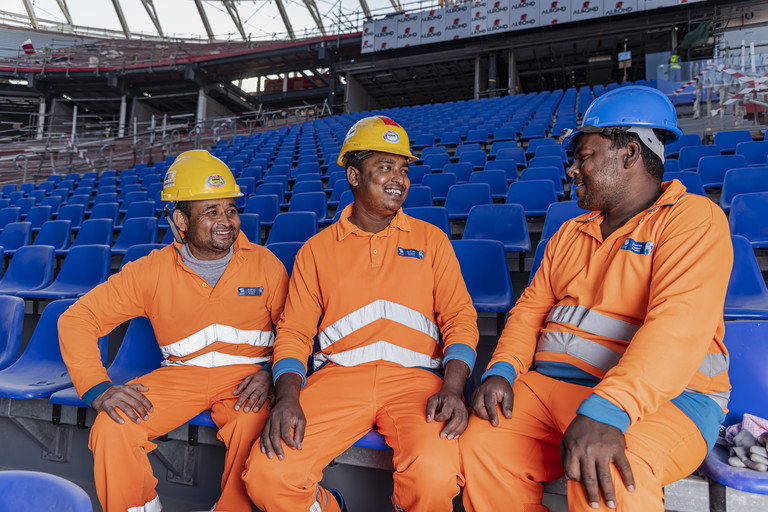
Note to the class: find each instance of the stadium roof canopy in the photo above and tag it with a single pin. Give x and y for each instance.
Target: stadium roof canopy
(202, 20)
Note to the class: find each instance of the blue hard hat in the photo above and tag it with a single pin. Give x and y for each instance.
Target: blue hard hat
(634, 105)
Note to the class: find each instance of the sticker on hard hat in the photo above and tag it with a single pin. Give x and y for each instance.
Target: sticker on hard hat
(170, 179)
(215, 181)
(391, 136)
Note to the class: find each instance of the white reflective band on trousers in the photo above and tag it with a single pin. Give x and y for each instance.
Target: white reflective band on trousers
(150, 506)
(212, 334)
(380, 351)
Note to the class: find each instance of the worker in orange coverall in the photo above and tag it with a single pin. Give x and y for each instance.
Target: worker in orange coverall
(378, 288)
(611, 368)
(212, 297)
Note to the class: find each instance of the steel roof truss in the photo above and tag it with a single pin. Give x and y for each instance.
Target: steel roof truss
(149, 6)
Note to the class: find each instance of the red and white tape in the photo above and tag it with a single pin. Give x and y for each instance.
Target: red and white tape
(678, 91)
(80, 153)
(757, 84)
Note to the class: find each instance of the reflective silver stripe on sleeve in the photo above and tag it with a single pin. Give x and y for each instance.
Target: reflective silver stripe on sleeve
(583, 349)
(216, 359)
(214, 333)
(377, 310)
(380, 351)
(721, 397)
(150, 506)
(714, 364)
(593, 322)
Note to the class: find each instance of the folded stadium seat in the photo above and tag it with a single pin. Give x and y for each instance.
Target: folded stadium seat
(499, 145)
(691, 180)
(31, 268)
(307, 186)
(551, 150)
(461, 198)
(423, 140)
(748, 218)
(307, 168)
(108, 174)
(272, 189)
(283, 160)
(127, 181)
(534, 144)
(32, 490)
(516, 155)
(46, 186)
(690, 155)
(73, 176)
(339, 188)
(495, 179)
(250, 225)
(672, 149)
(478, 159)
(61, 193)
(249, 183)
(462, 148)
(105, 210)
(672, 165)
(54, 178)
(286, 253)
(439, 183)
(479, 136)
(747, 295)
(56, 233)
(554, 174)
(435, 215)
(727, 141)
(505, 133)
(26, 188)
(560, 125)
(310, 202)
(712, 169)
(335, 176)
(416, 173)
(488, 284)
(151, 179)
(37, 215)
(293, 227)
(333, 166)
(236, 165)
(533, 131)
(534, 196)
(418, 195)
(747, 343)
(130, 198)
(281, 178)
(84, 267)
(756, 153)
(255, 172)
(548, 161)
(502, 222)
(40, 371)
(437, 161)
(611, 86)
(24, 204)
(138, 230)
(741, 181)
(137, 209)
(462, 171)
(126, 190)
(53, 201)
(134, 253)
(449, 139)
(8, 189)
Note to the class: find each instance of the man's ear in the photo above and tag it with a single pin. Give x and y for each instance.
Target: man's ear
(632, 154)
(353, 176)
(180, 219)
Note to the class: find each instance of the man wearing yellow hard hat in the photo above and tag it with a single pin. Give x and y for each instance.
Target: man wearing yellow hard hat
(384, 295)
(212, 297)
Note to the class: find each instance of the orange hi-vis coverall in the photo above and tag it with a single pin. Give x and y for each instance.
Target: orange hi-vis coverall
(382, 301)
(211, 338)
(627, 331)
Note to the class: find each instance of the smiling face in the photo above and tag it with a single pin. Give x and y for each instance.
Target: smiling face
(381, 186)
(211, 227)
(596, 171)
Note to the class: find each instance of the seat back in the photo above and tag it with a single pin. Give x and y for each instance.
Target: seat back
(105, 211)
(435, 215)
(495, 179)
(310, 202)
(558, 214)
(138, 251)
(286, 253)
(748, 218)
(9, 214)
(747, 344)
(712, 169)
(747, 294)
(727, 141)
(534, 196)
(462, 170)
(293, 227)
(754, 152)
(461, 198)
(488, 284)
(138, 354)
(56, 233)
(418, 195)
(250, 226)
(30, 268)
(32, 490)
(94, 231)
(691, 180)
(743, 181)
(139, 230)
(11, 324)
(689, 156)
(265, 206)
(502, 222)
(37, 215)
(15, 235)
(439, 183)
(476, 158)
(85, 266)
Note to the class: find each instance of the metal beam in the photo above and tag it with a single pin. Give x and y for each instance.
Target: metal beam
(286, 20)
(204, 17)
(232, 10)
(366, 9)
(315, 13)
(149, 6)
(31, 12)
(396, 5)
(121, 17)
(65, 10)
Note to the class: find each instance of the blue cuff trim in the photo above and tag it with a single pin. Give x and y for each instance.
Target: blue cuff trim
(602, 410)
(505, 370)
(93, 393)
(267, 366)
(704, 412)
(289, 365)
(461, 352)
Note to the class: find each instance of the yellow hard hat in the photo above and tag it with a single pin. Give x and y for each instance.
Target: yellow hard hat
(197, 175)
(376, 133)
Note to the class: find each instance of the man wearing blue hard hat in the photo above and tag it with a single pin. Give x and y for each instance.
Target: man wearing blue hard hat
(611, 369)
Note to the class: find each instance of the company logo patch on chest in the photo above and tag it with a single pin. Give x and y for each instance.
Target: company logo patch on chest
(250, 291)
(644, 248)
(410, 253)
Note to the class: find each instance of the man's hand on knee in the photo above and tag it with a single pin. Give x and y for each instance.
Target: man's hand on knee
(286, 421)
(127, 399)
(447, 406)
(493, 392)
(587, 450)
(254, 391)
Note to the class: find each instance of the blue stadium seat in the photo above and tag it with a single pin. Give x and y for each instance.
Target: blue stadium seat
(476, 158)
(510, 168)
(32, 490)
(137, 251)
(265, 206)
(550, 150)
(727, 141)
(138, 355)
(533, 131)
(307, 185)
(477, 137)
(534, 196)
(754, 152)
(691, 180)
(347, 198)
(272, 189)
(423, 140)
(54, 202)
(418, 195)
(461, 198)
(737, 181)
(537, 257)
(496, 179)
(437, 162)
(56, 233)
(535, 144)
(505, 144)
(439, 183)
(40, 370)
(552, 174)
(689, 156)
(462, 170)
(15, 197)
(712, 169)
(250, 226)
(106, 210)
(139, 230)
(558, 214)
(505, 133)
(339, 188)
(286, 253)
(672, 149)
(37, 215)
(747, 295)
(8, 215)
(748, 218)
(25, 203)
(435, 215)
(11, 324)
(293, 227)
(8, 188)
(503, 222)
(15, 235)
(747, 343)
(84, 267)
(92, 232)
(416, 173)
(450, 139)
(31, 268)
(137, 209)
(314, 202)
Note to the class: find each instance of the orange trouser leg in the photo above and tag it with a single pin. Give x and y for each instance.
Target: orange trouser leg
(122, 472)
(338, 405)
(427, 469)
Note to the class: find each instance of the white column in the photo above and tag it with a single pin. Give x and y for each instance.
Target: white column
(202, 104)
(41, 119)
(121, 122)
(74, 124)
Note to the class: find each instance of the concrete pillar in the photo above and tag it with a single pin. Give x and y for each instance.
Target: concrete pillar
(492, 75)
(41, 119)
(202, 100)
(513, 79)
(121, 122)
(74, 124)
(285, 82)
(477, 77)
